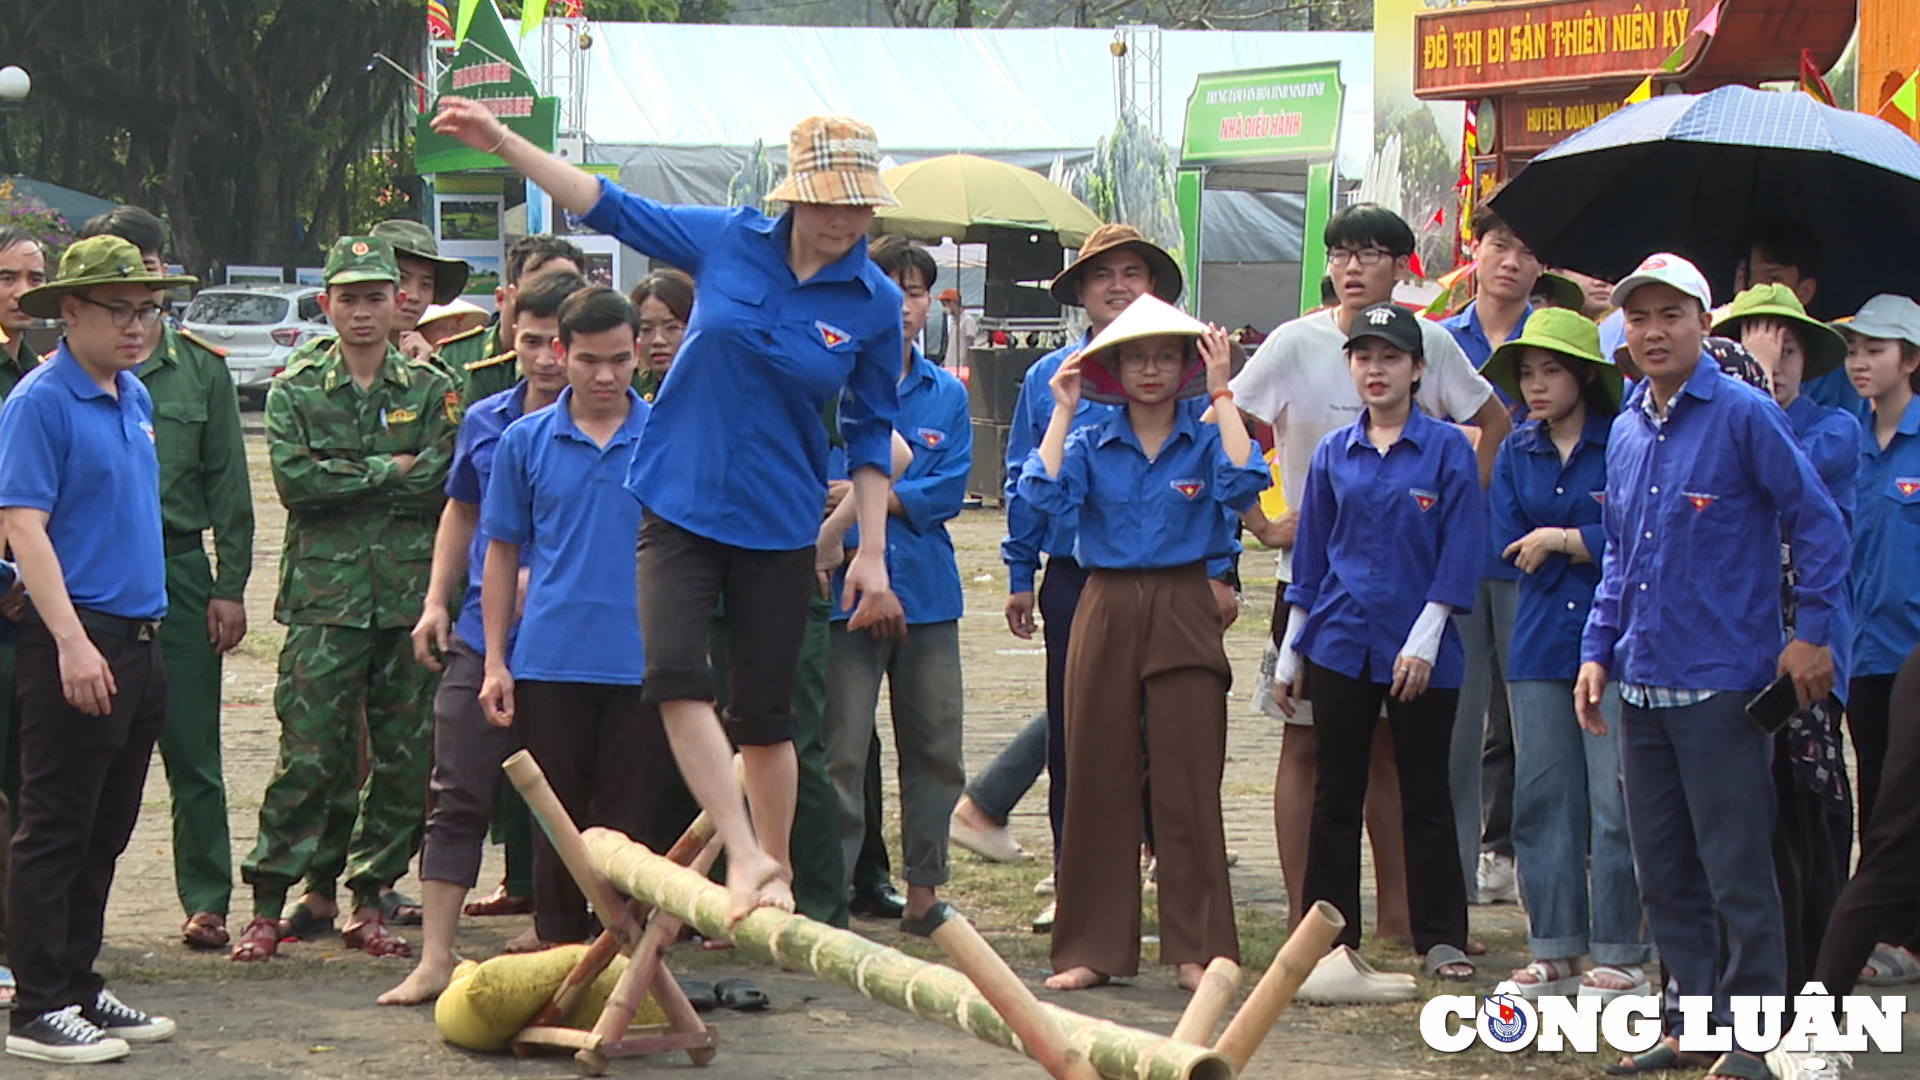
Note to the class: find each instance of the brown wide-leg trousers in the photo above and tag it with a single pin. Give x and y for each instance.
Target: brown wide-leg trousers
(1147, 679)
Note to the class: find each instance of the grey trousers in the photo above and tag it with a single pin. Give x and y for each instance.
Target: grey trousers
(923, 679)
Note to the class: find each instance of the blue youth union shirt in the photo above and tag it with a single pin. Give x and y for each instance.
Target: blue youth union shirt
(1886, 548)
(734, 450)
(1380, 536)
(1531, 490)
(559, 497)
(473, 451)
(1472, 338)
(1141, 514)
(1689, 595)
(935, 423)
(1831, 439)
(1030, 532)
(87, 458)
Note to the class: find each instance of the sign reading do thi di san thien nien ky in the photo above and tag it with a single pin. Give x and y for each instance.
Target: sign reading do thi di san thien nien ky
(1511, 45)
(1238, 115)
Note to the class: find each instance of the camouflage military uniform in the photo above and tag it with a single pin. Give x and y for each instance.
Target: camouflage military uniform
(359, 543)
(203, 484)
(486, 374)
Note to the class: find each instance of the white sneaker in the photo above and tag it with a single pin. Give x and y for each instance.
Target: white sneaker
(65, 1037)
(117, 1018)
(1498, 882)
(1045, 888)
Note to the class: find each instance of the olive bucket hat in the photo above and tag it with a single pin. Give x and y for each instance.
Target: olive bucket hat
(414, 239)
(1566, 334)
(1826, 349)
(91, 263)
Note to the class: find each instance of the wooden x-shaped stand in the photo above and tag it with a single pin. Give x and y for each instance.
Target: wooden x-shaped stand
(615, 1035)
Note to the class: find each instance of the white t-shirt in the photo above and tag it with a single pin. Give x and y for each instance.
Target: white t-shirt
(1298, 381)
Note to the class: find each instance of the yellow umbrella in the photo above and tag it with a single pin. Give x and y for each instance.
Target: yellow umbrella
(961, 196)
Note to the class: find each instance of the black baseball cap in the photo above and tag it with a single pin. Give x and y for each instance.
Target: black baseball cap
(1390, 323)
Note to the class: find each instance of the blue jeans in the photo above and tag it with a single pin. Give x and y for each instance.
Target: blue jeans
(923, 680)
(1486, 635)
(999, 787)
(1700, 801)
(1568, 807)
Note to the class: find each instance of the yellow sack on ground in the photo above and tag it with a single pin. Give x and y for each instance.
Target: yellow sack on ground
(486, 1004)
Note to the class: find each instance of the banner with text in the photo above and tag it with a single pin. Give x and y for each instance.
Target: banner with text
(1509, 46)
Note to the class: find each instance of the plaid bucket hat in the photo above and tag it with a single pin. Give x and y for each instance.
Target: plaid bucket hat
(833, 160)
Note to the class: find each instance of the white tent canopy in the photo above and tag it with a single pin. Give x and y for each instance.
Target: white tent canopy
(658, 93)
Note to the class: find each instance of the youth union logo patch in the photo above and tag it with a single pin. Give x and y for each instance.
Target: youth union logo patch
(1423, 498)
(1188, 488)
(1907, 485)
(1506, 1021)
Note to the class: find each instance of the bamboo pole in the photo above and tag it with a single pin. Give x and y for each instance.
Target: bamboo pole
(1210, 1001)
(1303, 949)
(886, 975)
(1043, 1039)
(554, 820)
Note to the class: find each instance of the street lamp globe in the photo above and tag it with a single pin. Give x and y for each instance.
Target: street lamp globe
(15, 84)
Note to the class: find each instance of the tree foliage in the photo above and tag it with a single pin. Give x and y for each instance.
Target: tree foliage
(687, 11)
(243, 122)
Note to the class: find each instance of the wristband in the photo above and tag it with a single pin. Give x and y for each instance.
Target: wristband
(1218, 394)
(504, 132)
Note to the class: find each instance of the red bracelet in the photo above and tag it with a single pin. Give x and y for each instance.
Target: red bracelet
(1218, 394)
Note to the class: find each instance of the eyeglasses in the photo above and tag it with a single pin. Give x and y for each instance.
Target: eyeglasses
(1365, 256)
(125, 315)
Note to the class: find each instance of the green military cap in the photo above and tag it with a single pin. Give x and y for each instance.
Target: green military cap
(360, 258)
(1826, 349)
(90, 263)
(1569, 335)
(1561, 291)
(415, 239)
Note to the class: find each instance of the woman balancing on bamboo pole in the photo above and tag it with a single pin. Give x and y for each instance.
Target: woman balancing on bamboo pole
(790, 314)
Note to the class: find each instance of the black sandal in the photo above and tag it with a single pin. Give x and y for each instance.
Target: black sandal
(1661, 1058)
(741, 995)
(1740, 1067)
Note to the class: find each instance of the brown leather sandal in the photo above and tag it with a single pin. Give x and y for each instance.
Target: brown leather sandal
(204, 930)
(259, 941)
(370, 935)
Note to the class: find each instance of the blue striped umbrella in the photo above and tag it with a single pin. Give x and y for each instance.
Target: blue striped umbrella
(1696, 174)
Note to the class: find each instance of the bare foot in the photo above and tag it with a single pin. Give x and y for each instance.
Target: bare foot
(756, 881)
(421, 986)
(526, 941)
(1188, 976)
(1078, 978)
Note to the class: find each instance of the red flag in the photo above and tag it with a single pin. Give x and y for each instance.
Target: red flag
(1439, 218)
(438, 25)
(1810, 80)
(573, 9)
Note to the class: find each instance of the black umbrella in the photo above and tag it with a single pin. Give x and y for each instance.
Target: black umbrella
(1696, 174)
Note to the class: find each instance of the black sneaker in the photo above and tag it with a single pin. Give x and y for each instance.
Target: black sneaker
(116, 1017)
(65, 1037)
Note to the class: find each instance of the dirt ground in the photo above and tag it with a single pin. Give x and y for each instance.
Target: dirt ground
(310, 1013)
